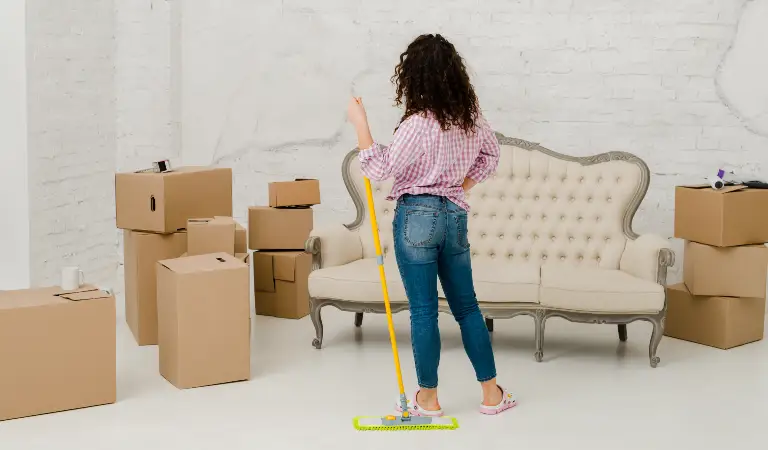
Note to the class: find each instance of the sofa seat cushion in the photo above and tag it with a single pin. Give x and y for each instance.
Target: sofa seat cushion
(598, 290)
(359, 281)
(505, 282)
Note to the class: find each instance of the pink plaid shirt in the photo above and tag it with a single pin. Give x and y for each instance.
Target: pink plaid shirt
(424, 159)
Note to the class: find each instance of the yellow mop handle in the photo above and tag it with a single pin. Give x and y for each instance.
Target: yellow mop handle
(384, 290)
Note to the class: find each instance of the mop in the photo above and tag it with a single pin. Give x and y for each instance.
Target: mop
(404, 421)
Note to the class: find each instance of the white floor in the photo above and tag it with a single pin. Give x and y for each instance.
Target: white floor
(590, 392)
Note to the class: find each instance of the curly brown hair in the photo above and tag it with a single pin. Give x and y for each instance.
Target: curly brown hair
(431, 77)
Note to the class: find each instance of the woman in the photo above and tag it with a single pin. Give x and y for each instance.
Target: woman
(441, 149)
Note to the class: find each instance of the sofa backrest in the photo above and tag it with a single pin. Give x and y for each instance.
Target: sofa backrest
(540, 207)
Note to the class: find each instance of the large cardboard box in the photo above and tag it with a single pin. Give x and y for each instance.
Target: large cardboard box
(278, 229)
(163, 202)
(722, 322)
(57, 350)
(142, 251)
(726, 271)
(204, 320)
(280, 283)
(732, 216)
(212, 235)
(300, 192)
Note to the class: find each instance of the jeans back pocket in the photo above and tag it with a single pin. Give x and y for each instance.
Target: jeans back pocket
(419, 228)
(461, 231)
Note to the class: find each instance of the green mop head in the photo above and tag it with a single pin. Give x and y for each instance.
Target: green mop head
(400, 423)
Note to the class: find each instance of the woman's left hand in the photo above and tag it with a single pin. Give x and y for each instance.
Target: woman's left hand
(356, 113)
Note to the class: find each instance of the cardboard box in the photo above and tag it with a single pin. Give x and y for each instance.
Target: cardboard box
(241, 239)
(301, 192)
(163, 202)
(204, 320)
(142, 251)
(57, 350)
(726, 271)
(722, 322)
(732, 216)
(280, 283)
(278, 229)
(214, 235)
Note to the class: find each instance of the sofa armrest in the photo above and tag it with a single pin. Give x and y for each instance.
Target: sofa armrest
(333, 246)
(648, 257)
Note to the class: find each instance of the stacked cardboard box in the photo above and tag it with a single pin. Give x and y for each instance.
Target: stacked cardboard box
(153, 210)
(57, 350)
(721, 302)
(278, 232)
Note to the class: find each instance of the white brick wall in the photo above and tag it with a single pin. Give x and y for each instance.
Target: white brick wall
(579, 76)
(71, 138)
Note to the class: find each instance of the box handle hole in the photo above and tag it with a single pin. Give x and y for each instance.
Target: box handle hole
(220, 259)
(152, 203)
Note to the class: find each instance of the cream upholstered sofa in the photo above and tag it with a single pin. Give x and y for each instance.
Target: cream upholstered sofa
(551, 236)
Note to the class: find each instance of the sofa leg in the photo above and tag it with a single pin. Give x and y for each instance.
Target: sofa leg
(623, 332)
(658, 333)
(317, 321)
(540, 319)
(489, 325)
(358, 320)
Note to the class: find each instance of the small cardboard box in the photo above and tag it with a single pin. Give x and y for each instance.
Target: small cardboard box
(722, 322)
(301, 192)
(280, 283)
(734, 215)
(726, 271)
(278, 229)
(142, 251)
(213, 235)
(163, 202)
(241, 239)
(204, 320)
(57, 350)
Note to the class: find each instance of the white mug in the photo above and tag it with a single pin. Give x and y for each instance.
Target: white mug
(71, 278)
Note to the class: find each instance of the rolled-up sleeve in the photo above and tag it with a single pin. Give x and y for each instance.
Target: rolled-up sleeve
(380, 162)
(488, 160)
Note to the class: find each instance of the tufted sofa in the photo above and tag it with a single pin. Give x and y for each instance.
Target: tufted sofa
(551, 236)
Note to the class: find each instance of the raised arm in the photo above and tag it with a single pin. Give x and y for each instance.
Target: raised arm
(380, 162)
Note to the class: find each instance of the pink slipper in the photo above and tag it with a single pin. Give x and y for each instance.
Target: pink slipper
(507, 401)
(415, 409)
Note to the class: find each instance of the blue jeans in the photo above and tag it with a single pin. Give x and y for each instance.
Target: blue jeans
(431, 241)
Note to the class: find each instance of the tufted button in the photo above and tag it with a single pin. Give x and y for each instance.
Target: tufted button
(528, 177)
(553, 238)
(492, 255)
(562, 257)
(493, 216)
(502, 198)
(578, 219)
(511, 216)
(589, 238)
(599, 180)
(581, 179)
(581, 258)
(607, 239)
(527, 216)
(474, 214)
(618, 179)
(570, 238)
(543, 217)
(589, 199)
(519, 197)
(535, 237)
(544, 257)
(386, 211)
(563, 179)
(525, 255)
(609, 199)
(599, 218)
(519, 236)
(482, 235)
(474, 254)
(598, 259)
(554, 198)
(571, 199)
(501, 236)
(509, 255)
(546, 178)
(536, 197)
(562, 218)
